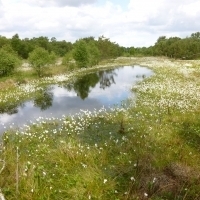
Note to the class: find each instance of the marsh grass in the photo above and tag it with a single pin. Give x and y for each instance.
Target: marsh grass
(148, 150)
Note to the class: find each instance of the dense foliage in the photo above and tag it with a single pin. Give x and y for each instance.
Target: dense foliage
(81, 54)
(103, 47)
(8, 60)
(40, 58)
(173, 47)
(87, 52)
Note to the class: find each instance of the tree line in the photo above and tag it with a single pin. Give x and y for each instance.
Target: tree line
(42, 51)
(172, 47)
(87, 52)
(23, 47)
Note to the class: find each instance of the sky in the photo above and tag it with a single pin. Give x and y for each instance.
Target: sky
(137, 23)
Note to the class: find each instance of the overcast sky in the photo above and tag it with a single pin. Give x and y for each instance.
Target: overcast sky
(128, 22)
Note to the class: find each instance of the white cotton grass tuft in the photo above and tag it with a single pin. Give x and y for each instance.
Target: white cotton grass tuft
(2, 196)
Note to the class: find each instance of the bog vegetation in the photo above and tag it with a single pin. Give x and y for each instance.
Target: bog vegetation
(146, 150)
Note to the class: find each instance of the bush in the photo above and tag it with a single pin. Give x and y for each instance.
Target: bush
(39, 58)
(8, 62)
(80, 54)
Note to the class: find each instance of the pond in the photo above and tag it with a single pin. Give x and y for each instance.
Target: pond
(92, 91)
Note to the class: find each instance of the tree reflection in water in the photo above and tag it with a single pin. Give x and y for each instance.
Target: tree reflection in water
(107, 78)
(9, 109)
(44, 98)
(83, 84)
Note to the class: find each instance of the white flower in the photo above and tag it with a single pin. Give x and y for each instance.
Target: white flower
(44, 173)
(154, 180)
(105, 180)
(132, 178)
(145, 194)
(84, 165)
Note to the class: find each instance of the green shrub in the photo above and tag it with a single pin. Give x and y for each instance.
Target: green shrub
(8, 61)
(39, 58)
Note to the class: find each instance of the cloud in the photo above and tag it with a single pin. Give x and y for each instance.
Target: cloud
(140, 24)
(163, 17)
(59, 3)
(1, 10)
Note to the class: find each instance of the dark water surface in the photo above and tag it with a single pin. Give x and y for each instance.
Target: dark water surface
(104, 88)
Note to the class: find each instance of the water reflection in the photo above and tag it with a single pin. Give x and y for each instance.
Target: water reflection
(83, 85)
(104, 88)
(11, 108)
(44, 98)
(107, 78)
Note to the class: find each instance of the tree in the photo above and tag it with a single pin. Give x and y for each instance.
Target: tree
(80, 54)
(3, 41)
(60, 47)
(69, 61)
(8, 48)
(42, 42)
(160, 46)
(39, 59)
(108, 49)
(132, 51)
(8, 60)
(196, 35)
(94, 53)
(16, 43)
(52, 57)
